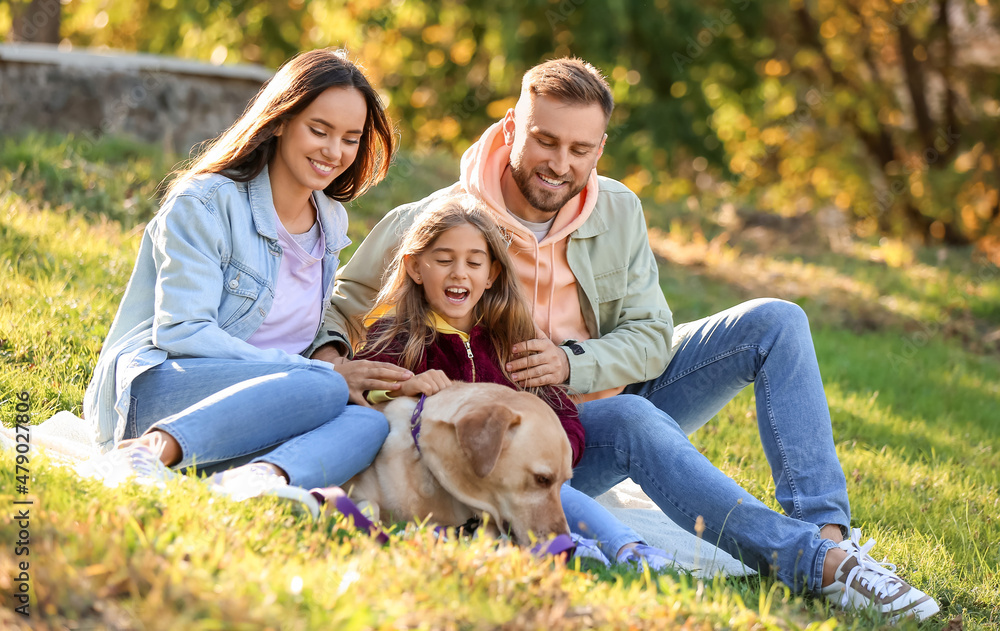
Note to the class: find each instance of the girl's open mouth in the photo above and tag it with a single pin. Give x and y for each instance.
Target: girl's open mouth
(456, 295)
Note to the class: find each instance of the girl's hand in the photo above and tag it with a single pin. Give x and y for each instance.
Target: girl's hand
(428, 383)
(363, 374)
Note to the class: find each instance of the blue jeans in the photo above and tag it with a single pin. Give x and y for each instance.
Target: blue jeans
(642, 434)
(226, 412)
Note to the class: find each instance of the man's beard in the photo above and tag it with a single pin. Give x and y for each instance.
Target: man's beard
(541, 199)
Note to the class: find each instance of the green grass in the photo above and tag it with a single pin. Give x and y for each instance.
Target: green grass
(914, 413)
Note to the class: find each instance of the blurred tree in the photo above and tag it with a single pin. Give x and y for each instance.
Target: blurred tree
(35, 21)
(886, 109)
(914, 84)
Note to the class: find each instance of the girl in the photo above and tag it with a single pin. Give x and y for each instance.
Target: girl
(207, 360)
(452, 310)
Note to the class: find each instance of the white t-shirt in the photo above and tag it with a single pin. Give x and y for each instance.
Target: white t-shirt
(294, 317)
(537, 229)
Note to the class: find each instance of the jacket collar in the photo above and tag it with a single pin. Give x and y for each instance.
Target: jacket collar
(439, 325)
(596, 224)
(265, 216)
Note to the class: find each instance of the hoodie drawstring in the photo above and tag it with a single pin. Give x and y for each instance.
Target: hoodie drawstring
(552, 287)
(552, 290)
(534, 298)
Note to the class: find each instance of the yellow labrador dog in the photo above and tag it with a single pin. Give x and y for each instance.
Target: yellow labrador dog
(472, 448)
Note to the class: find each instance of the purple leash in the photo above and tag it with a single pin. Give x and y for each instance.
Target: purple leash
(346, 507)
(561, 544)
(415, 422)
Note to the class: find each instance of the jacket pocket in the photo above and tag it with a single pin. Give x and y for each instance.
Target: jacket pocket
(240, 291)
(612, 285)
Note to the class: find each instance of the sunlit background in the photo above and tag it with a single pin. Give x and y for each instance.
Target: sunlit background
(884, 111)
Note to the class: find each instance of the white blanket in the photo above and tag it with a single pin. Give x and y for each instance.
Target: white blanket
(66, 437)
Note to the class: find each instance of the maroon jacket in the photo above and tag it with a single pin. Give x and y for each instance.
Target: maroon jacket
(477, 363)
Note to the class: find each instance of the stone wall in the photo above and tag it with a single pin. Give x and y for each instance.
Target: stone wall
(173, 102)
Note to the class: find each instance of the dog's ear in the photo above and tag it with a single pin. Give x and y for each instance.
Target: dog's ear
(481, 432)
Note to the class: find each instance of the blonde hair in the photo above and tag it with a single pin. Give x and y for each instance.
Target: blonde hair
(242, 151)
(503, 311)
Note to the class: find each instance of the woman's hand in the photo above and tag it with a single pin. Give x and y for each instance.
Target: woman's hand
(430, 382)
(362, 375)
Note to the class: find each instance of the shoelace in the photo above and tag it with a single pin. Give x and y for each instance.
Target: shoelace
(588, 549)
(644, 554)
(630, 556)
(264, 476)
(141, 462)
(145, 459)
(886, 584)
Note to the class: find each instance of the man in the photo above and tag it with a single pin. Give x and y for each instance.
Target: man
(582, 253)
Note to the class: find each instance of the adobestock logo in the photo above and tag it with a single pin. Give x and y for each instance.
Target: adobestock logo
(714, 27)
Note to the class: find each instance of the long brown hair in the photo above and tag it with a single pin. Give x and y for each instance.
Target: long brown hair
(242, 151)
(503, 311)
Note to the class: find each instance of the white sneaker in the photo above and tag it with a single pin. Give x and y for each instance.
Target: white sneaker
(259, 479)
(861, 582)
(138, 462)
(642, 555)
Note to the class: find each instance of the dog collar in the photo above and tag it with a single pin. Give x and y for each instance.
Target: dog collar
(471, 526)
(468, 528)
(415, 422)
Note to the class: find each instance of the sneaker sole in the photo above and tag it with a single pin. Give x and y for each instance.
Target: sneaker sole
(921, 611)
(301, 498)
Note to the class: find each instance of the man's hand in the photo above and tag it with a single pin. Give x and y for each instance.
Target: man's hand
(362, 375)
(428, 383)
(546, 364)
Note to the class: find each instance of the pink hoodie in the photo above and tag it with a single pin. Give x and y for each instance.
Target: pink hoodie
(541, 266)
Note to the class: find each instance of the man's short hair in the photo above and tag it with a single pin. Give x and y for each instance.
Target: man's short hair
(571, 80)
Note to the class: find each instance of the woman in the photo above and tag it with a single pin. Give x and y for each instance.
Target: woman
(207, 360)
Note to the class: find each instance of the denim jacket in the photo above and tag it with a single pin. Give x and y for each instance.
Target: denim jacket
(203, 282)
